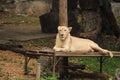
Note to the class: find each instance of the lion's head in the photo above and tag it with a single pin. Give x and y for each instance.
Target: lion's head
(64, 31)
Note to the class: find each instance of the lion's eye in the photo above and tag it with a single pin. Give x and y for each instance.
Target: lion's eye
(64, 30)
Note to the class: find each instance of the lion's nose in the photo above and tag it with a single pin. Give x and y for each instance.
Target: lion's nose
(62, 34)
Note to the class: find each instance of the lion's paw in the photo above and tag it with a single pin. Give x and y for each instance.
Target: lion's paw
(65, 50)
(108, 52)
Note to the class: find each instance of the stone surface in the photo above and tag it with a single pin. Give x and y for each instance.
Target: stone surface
(33, 8)
(116, 9)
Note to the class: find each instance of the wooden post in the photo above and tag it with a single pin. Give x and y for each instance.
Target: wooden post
(63, 21)
(38, 71)
(63, 17)
(101, 64)
(25, 66)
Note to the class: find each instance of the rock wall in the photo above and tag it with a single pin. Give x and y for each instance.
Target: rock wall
(38, 7)
(116, 9)
(33, 8)
(26, 7)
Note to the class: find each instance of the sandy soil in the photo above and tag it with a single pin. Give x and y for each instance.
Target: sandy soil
(12, 66)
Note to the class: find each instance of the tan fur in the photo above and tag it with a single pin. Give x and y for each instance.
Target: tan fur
(66, 42)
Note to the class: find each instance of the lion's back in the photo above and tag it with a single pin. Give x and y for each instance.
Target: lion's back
(79, 44)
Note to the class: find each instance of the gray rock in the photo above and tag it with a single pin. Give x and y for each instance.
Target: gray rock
(33, 8)
(116, 9)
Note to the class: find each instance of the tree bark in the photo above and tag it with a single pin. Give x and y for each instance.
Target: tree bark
(63, 17)
(63, 21)
(108, 17)
(97, 17)
(91, 19)
(50, 21)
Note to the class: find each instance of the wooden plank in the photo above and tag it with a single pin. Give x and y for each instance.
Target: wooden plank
(70, 54)
(38, 54)
(79, 54)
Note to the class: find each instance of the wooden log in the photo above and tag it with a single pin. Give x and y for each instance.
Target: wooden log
(14, 48)
(9, 46)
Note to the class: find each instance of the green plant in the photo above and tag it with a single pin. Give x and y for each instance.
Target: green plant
(109, 65)
(110, 78)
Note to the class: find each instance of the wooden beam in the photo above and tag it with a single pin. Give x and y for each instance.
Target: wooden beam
(63, 17)
(70, 54)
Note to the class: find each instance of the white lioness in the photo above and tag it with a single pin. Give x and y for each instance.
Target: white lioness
(66, 42)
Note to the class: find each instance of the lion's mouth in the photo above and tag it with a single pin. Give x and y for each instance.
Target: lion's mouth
(62, 37)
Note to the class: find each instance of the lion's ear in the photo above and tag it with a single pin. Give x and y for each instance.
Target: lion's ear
(70, 28)
(59, 27)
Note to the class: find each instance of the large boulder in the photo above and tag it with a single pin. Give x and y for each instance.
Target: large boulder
(116, 9)
(49, 22)
(33, 8)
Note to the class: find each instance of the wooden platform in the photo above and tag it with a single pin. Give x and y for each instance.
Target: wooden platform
(29, 54)
(57, 55)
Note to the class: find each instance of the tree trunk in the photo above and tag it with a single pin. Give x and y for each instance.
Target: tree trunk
(91, 24)
(97, 15)
(73, 13)
(50, 21)
(63, 21)
(63, 17)
(91, 19)
(107, 16)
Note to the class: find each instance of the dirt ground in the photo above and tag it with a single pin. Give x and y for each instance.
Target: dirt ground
(21, 32)
(12, 66)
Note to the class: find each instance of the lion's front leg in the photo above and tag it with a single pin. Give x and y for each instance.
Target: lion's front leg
(56, 48)
(65, 49)
(61, 49)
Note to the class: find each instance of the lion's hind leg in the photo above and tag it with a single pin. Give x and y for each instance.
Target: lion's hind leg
(104, 51)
